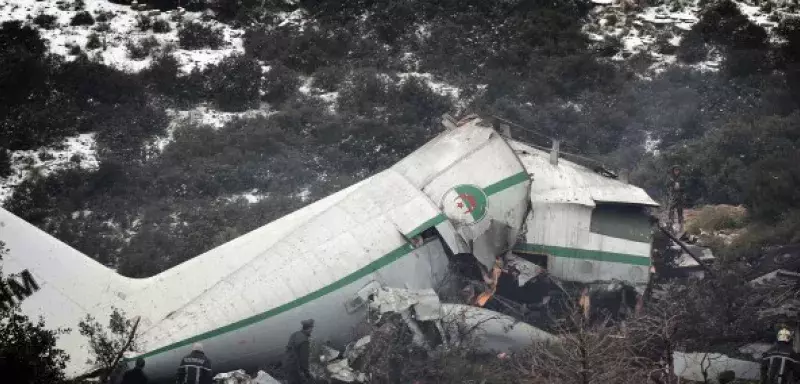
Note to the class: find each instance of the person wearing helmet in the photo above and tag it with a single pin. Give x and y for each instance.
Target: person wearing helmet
(675, 194)
(780, 364)
(195, 368)
(135, 375)
(295, 362)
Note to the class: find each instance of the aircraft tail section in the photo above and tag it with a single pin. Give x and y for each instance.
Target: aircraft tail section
(49, 279)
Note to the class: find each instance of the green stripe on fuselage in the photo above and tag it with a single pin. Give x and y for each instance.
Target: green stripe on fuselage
(506, 183)
(583, 254)
(370, 268)
(440, 218)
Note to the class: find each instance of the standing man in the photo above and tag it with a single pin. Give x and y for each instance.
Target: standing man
(297, 354)
(780, 364)
(135, 375)
(195, 368)
(675, 194)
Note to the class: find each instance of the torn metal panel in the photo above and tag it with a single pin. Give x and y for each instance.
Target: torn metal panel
(341, 370)
(497, 332)
(572, 183)
(398, 300)
(355, 349)
(480, 198)
(692, 365)
(526, 269)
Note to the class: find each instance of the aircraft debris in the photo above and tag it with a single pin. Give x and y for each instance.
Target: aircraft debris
(341, 370)
(699, 365)
(328, 354)
(355, 349)
(240, 377)
(469, 191)
(526, 270)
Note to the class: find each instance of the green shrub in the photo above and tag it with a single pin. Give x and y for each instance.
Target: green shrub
(141, 49)
(46, 21)
(104, 16)
(161, 26)
(102, 27)
(93, 41)
(280, 83)
(329, 78)
(75, 50)
(235, 83)
(82, 18)
(5, 162)
(144, 22)
(196, 35)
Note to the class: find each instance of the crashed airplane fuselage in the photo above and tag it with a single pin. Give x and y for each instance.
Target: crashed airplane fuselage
(468, 191)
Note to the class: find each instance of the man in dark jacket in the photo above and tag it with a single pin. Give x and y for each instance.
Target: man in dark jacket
(195, 368)
(781, 365)
(297, 355)
(135, 375)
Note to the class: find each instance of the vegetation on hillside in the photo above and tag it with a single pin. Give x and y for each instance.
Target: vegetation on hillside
(734, 131)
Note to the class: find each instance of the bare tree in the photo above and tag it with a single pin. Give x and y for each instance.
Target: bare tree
(586, 354)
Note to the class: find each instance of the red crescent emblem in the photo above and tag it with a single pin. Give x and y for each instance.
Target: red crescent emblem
(470, 199)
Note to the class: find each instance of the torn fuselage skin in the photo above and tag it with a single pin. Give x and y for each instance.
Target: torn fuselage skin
(569, 237)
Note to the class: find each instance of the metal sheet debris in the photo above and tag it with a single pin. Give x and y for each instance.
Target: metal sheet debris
(498, 332)
(354, 350)
(527, 270)
(240, 377)
(341, 370)
(426, 302)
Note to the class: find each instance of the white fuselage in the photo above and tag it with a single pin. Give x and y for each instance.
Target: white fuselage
(259, 342)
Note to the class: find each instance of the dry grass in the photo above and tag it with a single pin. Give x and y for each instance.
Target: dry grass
(713, 218)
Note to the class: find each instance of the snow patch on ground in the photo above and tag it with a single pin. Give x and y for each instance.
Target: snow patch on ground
(122, 28)
(439, 87)
(657, 30)
(253, 196)
(650, 30)
(78, 151)
(203, 115)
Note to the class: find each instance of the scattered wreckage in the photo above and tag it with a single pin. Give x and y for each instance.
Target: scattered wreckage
(494, 226)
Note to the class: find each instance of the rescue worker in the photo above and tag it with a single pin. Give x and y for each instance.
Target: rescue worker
(780, 364)
(135, 375)
(675, 194)
(195, 368)
(297, 355)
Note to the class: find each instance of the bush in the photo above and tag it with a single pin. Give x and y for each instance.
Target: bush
(280, 83)
(235, 83)
(46, 156)
(692, 48)
(161, 26)
(102, 27)
(28, 350)
(142, 48)
(196, 35)
(75, 50)
(144, 22)
(93, 42)
(45, 21)
(304, 51)
(104, 16)
(82, 18)
(715, 218)
(5, 162)
(328, 78)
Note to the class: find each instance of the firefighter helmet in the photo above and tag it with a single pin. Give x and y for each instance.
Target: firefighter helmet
(784, 335)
